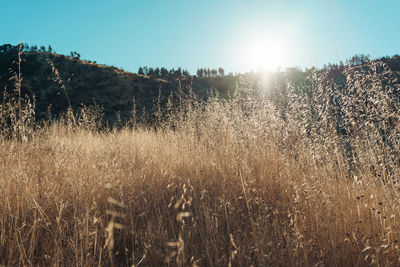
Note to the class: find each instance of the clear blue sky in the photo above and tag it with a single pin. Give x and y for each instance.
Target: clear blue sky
(207, 33)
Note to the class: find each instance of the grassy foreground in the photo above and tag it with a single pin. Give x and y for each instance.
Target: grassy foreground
(225, 184)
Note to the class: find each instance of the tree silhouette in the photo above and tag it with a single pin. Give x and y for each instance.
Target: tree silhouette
(5, 48)
(164, 72)
(178, 73)
(200, 73)
(157, 72)
(75, 54)
(145, 70)
(140, 71)
(221, 71)
(358, 60)
(25, 47)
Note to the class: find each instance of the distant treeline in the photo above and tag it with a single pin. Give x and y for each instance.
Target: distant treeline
(8, 48)
(179, 72)
(163, 72)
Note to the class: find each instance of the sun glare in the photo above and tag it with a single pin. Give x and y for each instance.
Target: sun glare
(267, 54)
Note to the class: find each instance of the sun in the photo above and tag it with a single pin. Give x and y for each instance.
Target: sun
(267, 54)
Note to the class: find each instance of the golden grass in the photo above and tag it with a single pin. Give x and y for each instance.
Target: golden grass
(220, 184)
(211, 201)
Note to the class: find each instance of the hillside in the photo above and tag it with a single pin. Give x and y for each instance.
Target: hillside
(88, 83)
(113, 89)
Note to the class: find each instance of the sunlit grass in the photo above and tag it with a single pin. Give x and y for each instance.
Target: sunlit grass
(216, 183)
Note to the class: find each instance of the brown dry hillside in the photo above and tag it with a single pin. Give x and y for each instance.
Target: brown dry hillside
(86, 83)
(114, 89)
(89, 83)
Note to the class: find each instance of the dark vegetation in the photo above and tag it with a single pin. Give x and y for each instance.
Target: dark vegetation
(88, 83)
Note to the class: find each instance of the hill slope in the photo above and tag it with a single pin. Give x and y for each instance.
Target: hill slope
(113, 89)
(86, 83)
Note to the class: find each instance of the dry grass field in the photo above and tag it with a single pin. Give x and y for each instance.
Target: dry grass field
(251, 181)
